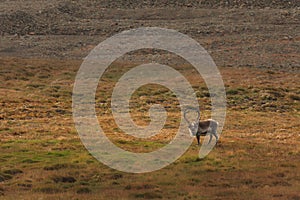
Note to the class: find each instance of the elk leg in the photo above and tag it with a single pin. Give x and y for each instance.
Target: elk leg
(198, 139)
(216, 136)
(210, 137)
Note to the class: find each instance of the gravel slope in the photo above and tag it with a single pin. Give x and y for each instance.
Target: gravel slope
(236, 33)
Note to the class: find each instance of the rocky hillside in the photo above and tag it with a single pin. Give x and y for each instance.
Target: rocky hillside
(254, 33)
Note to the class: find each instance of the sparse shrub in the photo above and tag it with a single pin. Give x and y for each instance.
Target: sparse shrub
(296, 197)
(26, 185)
(232, 92)
(49, 190)
(64, 179)
(13, 171)
(247, 181)
(270, 72)
(281, 183)
(55, 95)
(55, 167)
(29, 161)
(89, 161)
(83, 190)
(84, 183)
(145, 186)
(203, 94)
(128, 187)
(32, 85)
(61, 111)
(148, 195)
(4, 177)
(295, 97)
(117, 176)
(115, 183)
(44, 76)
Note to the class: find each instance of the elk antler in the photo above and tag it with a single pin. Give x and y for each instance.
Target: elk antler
(198, 117)
(184, 115)
(186, 111)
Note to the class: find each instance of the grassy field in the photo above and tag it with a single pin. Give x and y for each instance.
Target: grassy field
(42, 157)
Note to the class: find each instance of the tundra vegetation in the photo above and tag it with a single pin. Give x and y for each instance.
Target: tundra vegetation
(257, 156)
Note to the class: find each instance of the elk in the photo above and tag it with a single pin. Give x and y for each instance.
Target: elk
(198, 128)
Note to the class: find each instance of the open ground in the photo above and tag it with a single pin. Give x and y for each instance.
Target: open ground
(256, 47)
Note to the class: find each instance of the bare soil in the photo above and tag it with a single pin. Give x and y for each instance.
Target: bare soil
(261, 34)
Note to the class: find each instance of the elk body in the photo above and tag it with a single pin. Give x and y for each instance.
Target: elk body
(205, 127)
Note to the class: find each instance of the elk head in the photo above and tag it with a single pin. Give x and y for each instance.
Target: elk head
(193, 126)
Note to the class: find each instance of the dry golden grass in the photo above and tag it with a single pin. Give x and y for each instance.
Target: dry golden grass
(42, 157)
